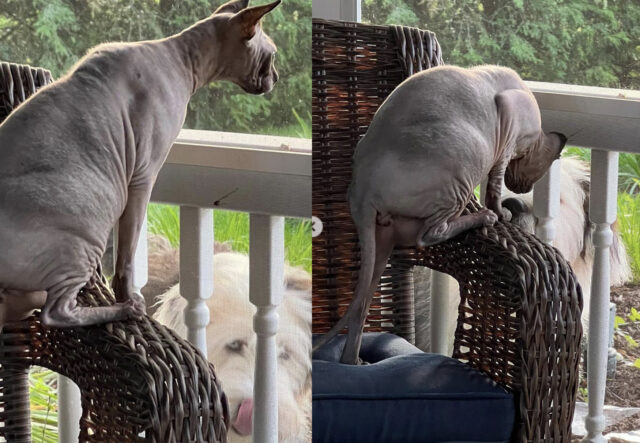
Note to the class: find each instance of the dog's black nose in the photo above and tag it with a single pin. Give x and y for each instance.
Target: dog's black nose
(515, 205)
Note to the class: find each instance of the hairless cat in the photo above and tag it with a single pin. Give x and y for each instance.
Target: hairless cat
(83, 153)
(432, 141)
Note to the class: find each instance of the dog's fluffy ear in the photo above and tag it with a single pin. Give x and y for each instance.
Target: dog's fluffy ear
(249, 19)
(296, 279)
(233, 6)
(170, 310)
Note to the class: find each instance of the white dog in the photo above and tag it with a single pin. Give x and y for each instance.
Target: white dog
(573, 239)
(231, 344)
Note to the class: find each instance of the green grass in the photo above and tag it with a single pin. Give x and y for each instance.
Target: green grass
(233, 227)
(44, 402)
(629, 225)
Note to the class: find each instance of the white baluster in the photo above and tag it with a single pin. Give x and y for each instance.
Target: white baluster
(602, 209)
(196, 271)
(69, 410)
(266, 287)
(546, 203)
(440, 284)
(141, 259)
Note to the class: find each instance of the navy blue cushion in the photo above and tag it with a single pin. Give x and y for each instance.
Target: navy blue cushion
(404, 395)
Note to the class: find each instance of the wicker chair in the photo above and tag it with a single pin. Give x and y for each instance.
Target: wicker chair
(519, 318)
(138, 380)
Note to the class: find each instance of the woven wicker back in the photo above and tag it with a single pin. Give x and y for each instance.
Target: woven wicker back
(355, 67)
(18, 83)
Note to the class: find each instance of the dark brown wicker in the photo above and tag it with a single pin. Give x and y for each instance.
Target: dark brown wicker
(519, 318)
(138, 380)
(18, 83)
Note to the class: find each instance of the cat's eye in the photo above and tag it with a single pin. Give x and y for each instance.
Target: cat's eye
(236, 346)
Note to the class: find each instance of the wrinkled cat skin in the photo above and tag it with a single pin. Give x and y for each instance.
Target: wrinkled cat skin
(433, 140)
(83, 153)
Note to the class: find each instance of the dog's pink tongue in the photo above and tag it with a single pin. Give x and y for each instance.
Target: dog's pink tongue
(242, 423)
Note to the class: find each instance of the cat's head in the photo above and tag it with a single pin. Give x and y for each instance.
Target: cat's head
(247, 54)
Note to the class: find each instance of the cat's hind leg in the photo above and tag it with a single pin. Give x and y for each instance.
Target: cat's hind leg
(433, 234)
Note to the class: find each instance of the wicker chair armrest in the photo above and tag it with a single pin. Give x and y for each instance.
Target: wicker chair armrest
(518, 320)
(135, 377)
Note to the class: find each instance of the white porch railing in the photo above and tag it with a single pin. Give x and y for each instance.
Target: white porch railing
(268, 177)
(606, 121)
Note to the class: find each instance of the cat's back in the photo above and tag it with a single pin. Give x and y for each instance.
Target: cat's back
(440, 94)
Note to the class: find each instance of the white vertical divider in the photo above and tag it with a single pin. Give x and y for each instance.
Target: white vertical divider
(69, 410)
(440, 284)
(141, 259)
(196, 271)
(266, 285)
(546, 203)
(602, 211)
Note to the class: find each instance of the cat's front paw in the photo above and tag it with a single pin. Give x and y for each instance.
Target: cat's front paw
(489, 218)
(134, 307)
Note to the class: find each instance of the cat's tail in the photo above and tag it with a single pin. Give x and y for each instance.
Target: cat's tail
(365, 221)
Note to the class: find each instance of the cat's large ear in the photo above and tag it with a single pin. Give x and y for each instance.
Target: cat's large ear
(232, 6)
(249, 19)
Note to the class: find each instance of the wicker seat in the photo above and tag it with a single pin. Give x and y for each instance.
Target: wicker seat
(138, 380)
(519, 318)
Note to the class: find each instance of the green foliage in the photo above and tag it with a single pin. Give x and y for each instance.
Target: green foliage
(571, 41)
(233, 227)
(621, 326)
(629, 226)
(44, 401)
(54, 34)
(629, 172)
(164, 220)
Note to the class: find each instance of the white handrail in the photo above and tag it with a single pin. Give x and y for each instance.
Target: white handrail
(599, 118)
(209, 169)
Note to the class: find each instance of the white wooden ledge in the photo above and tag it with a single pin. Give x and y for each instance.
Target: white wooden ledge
(602, 118)
(260, 174)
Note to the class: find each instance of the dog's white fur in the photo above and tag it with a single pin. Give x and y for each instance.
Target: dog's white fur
(232, 320)
(573, 239)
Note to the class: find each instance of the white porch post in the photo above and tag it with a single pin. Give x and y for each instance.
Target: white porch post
(604, 188)
(546, 203)
(440, 284)
(347, 10)
(266, 236)
(69, 410)
(196, 271)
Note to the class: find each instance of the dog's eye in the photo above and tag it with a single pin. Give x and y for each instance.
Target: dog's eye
(236, 346)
